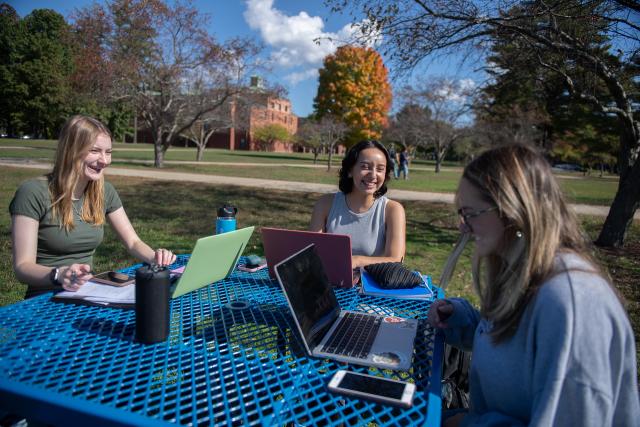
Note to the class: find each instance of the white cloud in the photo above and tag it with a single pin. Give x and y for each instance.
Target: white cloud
(295, 78)
(456, 91)
(467, 84)
(298, 41)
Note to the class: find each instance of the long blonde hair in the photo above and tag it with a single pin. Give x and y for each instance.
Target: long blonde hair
(538, 224)
(77, 137)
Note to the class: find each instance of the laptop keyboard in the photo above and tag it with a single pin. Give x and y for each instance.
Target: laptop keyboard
(354, 335)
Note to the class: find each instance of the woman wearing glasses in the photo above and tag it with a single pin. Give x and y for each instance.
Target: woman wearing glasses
(551, 343)
(361, 209)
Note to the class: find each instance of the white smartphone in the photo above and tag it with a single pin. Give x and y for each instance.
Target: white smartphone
(379, 389)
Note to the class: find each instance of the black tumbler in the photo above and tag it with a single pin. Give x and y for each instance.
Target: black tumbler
(152, 304)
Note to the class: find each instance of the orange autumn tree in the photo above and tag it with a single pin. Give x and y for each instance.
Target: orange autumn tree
(354, 89)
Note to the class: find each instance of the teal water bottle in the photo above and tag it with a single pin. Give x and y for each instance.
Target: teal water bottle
(226, 220)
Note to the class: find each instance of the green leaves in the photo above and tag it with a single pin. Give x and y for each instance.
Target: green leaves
(268, 134)
(34, 75)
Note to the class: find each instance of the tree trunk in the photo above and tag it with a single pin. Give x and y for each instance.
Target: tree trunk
(329, 159)
(158, 154)
(439, 157)
(623, 208)
(199, 152)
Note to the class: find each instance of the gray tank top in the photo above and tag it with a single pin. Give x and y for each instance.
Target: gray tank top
(367, 229)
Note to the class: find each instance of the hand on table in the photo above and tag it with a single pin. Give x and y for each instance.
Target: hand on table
(439, 312)
(74, 276)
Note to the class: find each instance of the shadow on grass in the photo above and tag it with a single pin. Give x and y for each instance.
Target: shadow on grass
(177, 218)
(426, 233)
(435, 225)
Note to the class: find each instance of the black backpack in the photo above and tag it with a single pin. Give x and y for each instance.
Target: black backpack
(455, 378)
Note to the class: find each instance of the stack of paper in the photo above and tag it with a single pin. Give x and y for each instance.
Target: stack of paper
(98, 293)
(370, 287)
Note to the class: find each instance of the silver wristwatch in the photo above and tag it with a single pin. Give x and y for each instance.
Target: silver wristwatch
(54, 276)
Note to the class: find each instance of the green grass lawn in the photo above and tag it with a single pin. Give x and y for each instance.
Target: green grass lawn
(161, 222)
(174, 215)
(579, 189)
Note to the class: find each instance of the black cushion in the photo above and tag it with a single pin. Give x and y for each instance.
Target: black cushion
(393, 275)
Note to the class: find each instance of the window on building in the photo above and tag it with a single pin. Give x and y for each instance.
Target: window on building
(273, 105)
(286, 109)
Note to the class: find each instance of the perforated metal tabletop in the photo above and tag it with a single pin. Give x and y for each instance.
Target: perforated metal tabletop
(233, 357)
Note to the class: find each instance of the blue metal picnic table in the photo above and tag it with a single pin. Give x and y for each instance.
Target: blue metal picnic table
(233, 357)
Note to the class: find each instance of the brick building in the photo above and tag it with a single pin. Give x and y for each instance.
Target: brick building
(250, 115)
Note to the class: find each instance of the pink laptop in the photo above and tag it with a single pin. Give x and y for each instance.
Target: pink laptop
(334, 251)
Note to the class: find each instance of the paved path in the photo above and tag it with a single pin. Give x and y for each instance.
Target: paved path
(321, 164)
(282, 185)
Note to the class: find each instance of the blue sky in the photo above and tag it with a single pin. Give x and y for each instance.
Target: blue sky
(286, 28)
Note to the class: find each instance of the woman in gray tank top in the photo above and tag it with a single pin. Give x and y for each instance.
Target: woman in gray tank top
(360, 209)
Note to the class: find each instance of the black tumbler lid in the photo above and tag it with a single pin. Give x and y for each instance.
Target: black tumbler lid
(148, 270)
(227, 211)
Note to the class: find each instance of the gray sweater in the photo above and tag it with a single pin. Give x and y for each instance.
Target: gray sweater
(571, 362)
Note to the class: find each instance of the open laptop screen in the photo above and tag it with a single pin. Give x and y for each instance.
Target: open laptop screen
(333, 249)
(309, 293)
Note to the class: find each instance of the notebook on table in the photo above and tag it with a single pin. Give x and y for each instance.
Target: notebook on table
(334, 251)
(213, 258)
(328, 331)
(420, 292)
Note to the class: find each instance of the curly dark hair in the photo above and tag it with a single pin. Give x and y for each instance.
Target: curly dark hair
(346, 183)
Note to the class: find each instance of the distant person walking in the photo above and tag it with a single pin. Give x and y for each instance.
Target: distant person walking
(394, 160)
(404, 162)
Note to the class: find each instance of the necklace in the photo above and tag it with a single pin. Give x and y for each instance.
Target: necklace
(346, 199)
(78, 212)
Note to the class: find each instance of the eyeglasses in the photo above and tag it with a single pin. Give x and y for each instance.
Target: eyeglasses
(465, 217)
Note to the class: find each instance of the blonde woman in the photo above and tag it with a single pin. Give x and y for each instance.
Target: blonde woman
(57, 221)
(552, 344)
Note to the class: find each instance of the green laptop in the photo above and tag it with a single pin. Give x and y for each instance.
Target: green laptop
(213, 258)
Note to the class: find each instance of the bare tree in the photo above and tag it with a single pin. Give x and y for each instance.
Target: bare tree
(518, 124)
(447, 103)
(308, 136)
(332, 132)
(214, 121)
(234, 114)
(417, 29)
(163, 61)
(323, 135)
(409, 127)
